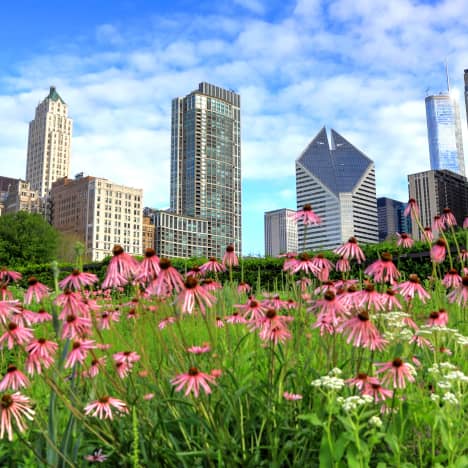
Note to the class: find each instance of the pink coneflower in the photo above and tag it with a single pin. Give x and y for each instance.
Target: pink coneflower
(438, 251)
(79, 352)
(342, 265)
(323, 267)
(148, 396)
(351, 250)
(106, 318)
(390, 301)
(149, 268)
(129, 357)
(75, 326)
(252, 310)
(273, 327)
(412, 209)
(438, 223)
(362, 381)
(383, 270)
(304, 283)
(16, 334)
(71, 303)
(243, 288)
(421, 342)
(193, 294)
(35, 290)
(122, 267)
(230, 258)
(165, 322)
(212, 265)
(102, 408)
(302, 263)
(13, 379)
(9, 276)
(292, 396)
(193, 380)
(413, 287)
(219, 322)
(275, 334)
(40, 353)
(14, 407)
(123, 369)
(7, 310)
(396, 372)
(438, 318)
(306, 215)
(194, 271)
(460, 294)
(210, 284)
(405, 240)
(42, 316)
(376, 391)
(235, 318)
(275, 302)
(96, 456)
(330, 307)
(369, 297)
(205, 348)
(5, 293)
(463, 257)
(95, 367)
(78, 280)
(449, 218)
(465, 223)
(290, 257)
(362, 332)
(452, 279)
(428, 234)
(168, 279)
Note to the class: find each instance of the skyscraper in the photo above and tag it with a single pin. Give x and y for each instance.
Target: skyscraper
(280, 232)
(49, 143)
(444, 133)
(466, 93)
(391, 218)
(339, 182)
(206, 163)
(436, 190)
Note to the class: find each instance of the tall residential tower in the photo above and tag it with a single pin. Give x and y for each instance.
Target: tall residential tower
(49, 143)
(206, 163)
(339, 182)
(445, 133)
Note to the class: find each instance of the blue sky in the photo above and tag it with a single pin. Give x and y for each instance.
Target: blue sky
(361, 67)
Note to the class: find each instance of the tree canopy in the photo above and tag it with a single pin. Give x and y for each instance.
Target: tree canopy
(26, 238)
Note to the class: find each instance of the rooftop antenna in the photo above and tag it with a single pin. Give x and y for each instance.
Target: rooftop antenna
(447, 75)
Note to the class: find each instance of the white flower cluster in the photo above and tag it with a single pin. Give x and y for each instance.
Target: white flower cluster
(450, 398)
(354, 402)
(428, 330)
(375, 421)
(331, 383)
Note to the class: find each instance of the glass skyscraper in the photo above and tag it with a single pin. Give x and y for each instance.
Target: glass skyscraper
(338, 181)
(444, 133)
(206, 163)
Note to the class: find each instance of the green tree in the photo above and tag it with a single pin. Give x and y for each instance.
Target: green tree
(26, 238)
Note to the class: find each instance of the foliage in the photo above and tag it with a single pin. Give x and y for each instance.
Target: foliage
(26, 238)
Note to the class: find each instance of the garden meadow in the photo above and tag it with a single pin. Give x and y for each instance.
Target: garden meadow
(342, 360)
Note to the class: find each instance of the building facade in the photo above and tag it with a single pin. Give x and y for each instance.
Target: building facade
(5, 183)
(206, 163)
(436, 190)
(99, 213)
(391, 218)
(20, 197)
(49, 143)
(445, 133)
(147, 233)
(338, 181)
(178, 235)
(280, 232)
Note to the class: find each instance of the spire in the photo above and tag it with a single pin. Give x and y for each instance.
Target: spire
(54, 96)
(447, 75)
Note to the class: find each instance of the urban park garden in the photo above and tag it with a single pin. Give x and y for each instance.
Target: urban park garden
(356, 357)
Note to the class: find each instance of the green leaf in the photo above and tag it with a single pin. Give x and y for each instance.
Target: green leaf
(340, 447)
(312, 418)
(325, 456)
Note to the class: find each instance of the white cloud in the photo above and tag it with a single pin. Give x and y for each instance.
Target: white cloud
(359, 66)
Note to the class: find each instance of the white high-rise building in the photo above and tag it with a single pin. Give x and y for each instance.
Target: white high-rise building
(49, 143)
(280, 232)
(338, 181)
(98, 213)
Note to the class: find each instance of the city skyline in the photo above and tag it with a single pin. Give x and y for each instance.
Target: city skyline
(296, 65)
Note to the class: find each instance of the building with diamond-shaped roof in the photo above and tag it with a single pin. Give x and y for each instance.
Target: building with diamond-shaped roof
(338, 180)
